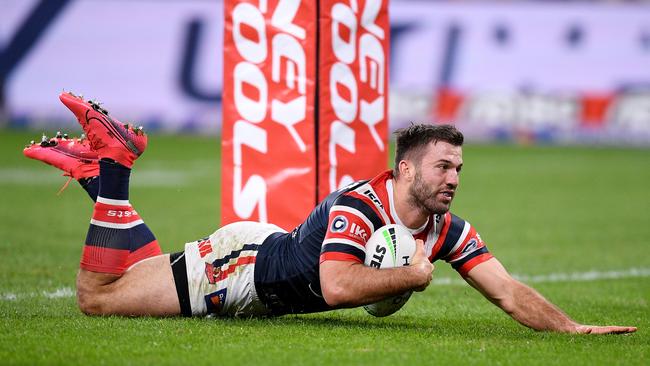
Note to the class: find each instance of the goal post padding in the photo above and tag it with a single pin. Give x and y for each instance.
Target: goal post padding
(304, 104)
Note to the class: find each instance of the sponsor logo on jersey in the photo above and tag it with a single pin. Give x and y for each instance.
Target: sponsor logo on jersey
(294, 233)
(471, 245)
(205, 247)
(373, 197)
(339, 224)
(358, 231)
(215, 301)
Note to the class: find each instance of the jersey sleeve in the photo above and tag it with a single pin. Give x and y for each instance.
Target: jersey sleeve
(465, 248)
(351, 222)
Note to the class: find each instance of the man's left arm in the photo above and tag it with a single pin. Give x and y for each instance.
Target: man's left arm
(526, 305)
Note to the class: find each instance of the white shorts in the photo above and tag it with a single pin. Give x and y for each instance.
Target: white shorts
(220, 270)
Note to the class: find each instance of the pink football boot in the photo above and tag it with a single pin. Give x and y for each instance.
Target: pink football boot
(108, 137)
(72, 155)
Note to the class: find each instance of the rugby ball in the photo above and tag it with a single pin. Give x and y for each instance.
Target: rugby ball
(390, 246)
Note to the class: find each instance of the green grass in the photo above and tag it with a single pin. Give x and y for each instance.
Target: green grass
(541, 210)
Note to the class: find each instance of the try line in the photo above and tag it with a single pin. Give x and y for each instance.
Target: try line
(634, 272)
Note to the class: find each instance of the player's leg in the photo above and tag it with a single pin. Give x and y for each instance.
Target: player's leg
(214, 275)
(117, 237)
(147, 289)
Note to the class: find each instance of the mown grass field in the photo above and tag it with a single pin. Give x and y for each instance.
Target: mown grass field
(543, 211)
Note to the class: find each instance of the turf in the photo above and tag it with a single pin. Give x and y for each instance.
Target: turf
(542, 210)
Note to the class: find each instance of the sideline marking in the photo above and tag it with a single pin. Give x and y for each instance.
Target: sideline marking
(563, 277)
(62, 292)
(589, 276)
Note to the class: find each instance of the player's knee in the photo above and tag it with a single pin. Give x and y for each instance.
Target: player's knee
(87, 306)
(88, 299)
(88, 302)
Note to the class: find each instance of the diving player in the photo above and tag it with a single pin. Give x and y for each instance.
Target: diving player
(256, 269)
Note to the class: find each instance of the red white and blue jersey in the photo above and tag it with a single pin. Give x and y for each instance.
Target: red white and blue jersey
(287, 267)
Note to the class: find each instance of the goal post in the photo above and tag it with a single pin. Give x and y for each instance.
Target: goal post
(304, 104)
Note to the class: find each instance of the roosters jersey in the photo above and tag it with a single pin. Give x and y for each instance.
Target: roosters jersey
(287, 265)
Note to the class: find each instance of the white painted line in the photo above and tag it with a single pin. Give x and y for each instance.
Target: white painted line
(586, 276)
(590, 276)
(59, 293)
(8, 297)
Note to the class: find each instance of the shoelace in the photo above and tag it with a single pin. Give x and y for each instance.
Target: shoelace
(66, 184)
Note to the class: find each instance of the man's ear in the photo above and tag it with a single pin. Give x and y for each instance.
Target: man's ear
(406, 170)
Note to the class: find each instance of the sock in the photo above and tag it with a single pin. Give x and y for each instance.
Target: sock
(91, 186)
(117, 237)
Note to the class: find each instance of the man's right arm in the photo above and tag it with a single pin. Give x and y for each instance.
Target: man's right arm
(350, 284)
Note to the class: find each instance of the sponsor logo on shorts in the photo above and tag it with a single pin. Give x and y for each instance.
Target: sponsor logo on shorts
(215, 301)
(205, 247)
(339, 224)
(212, 273)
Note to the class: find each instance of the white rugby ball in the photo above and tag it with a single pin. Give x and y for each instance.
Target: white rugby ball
(390, 246)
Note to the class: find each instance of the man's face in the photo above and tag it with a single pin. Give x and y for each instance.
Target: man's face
(436, 178)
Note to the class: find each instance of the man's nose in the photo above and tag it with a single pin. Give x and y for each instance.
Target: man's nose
(452, 178)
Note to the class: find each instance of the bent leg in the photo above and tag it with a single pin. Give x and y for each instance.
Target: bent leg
(146, 289)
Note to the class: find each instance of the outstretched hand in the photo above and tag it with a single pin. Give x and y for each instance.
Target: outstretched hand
(597, 329)
(421, 264)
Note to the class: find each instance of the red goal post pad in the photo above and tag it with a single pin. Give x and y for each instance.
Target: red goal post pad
(268, 158)
(353, 92)
(277, 136)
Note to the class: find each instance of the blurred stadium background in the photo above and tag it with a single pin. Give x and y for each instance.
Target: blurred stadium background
(567, 72)
(516, 76)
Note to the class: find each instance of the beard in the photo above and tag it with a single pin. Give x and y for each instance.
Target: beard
(424, 198)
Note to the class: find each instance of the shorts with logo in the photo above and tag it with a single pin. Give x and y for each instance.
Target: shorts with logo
(221, 267)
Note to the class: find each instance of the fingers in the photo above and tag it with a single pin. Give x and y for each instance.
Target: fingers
(421, 266)
(613, 330)
(594, 329)
(419, 247)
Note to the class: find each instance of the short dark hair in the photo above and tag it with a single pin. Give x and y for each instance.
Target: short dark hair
(412, 140)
